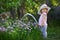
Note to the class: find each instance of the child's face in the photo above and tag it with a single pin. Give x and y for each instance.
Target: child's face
(44, 10)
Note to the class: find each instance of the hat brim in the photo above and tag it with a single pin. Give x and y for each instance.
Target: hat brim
(42, 7)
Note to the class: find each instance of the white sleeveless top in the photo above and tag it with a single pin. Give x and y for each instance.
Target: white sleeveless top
(44, 19)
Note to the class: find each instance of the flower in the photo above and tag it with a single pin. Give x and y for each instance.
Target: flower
(2, 28)
(11, 28)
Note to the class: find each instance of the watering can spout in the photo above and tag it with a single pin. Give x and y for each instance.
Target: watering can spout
(28, 14)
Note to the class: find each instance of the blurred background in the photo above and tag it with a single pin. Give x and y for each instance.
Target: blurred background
(12, 10)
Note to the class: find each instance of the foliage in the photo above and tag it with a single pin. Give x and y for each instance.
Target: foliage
(5, 5)
(14, 30)
(54, 2)
(30, 5)
(17, 33)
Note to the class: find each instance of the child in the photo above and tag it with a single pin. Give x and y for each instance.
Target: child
(44, 9)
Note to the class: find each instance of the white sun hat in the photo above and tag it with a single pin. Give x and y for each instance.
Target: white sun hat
(43, 6)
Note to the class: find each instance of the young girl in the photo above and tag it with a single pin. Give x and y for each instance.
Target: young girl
(44, 9)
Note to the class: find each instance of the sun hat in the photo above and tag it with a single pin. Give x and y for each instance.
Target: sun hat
(43, 6)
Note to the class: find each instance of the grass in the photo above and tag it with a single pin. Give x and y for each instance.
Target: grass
(34, 34)
(53, 33)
